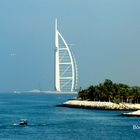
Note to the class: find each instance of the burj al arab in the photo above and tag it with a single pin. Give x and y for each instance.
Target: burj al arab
(66, 70)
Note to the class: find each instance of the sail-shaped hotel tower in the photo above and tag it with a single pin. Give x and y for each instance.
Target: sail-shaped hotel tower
(66, 73)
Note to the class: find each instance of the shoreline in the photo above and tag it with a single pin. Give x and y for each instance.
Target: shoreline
(48, 92)
(73, 103)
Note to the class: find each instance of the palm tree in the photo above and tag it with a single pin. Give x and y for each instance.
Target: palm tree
(109, 91)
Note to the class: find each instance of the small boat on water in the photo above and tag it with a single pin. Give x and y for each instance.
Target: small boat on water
(23, 122)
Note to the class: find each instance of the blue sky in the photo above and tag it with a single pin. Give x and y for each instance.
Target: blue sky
(105, 33)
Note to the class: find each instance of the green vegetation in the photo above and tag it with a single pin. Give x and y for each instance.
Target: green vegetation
(111, 92)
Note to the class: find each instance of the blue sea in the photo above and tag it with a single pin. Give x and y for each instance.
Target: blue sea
(48, 122)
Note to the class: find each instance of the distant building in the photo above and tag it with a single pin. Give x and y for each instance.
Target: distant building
(66, 71)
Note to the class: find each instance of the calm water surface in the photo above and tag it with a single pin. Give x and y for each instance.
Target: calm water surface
(48, 122)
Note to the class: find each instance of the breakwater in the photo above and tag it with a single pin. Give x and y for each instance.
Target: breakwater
(99, 105)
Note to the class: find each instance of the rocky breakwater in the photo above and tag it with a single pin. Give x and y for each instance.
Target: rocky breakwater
(132, 114)
(99, 105)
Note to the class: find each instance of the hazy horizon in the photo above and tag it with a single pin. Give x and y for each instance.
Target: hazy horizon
(105, 35)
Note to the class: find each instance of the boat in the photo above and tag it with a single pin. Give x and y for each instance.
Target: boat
(23, 122)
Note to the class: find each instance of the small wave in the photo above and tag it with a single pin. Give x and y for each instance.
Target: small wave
(18, 125)
(31, 125)
(15, 124)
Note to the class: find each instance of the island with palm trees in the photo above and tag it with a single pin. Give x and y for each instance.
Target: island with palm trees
(107, 95)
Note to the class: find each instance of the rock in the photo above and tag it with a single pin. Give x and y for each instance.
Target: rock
(132, 114)
(100, 105)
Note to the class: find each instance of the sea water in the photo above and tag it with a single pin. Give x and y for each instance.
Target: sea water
(48, 122)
